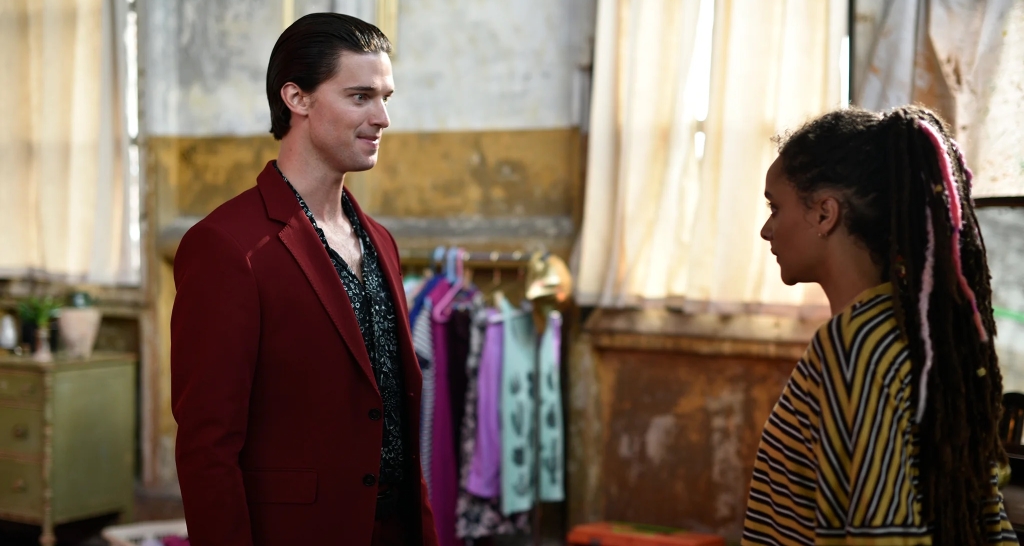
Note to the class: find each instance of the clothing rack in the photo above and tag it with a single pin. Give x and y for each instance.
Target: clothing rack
(495, 260)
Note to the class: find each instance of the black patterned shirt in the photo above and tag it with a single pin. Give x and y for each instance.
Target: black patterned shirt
(375, 311)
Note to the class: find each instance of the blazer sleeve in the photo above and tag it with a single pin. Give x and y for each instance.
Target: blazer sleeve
(215, 326)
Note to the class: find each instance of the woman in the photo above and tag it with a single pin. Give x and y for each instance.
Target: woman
(887, 430)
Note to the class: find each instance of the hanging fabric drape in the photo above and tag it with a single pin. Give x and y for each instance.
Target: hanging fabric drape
(687, 95)
(964, 60)
(63, 143)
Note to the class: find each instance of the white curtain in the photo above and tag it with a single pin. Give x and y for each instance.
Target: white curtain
(62, 142)
(962, 59)
(681, 126)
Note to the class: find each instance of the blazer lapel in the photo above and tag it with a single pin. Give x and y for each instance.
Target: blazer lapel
(302, 241)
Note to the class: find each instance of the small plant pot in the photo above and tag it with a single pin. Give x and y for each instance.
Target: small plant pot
(78, 329)
(42, 352)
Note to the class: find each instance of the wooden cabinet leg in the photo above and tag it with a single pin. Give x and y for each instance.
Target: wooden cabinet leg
(128, 512)
(47, 538)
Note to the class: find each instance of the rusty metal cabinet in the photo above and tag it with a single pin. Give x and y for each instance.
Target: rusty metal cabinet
(67, 439)
(666, 411)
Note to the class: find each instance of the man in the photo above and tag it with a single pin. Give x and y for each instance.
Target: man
(293, 378)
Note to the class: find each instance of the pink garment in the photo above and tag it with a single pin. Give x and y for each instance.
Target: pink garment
(444, 491)
(485, 471)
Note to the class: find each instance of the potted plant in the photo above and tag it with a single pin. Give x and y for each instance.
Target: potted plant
(37, 315)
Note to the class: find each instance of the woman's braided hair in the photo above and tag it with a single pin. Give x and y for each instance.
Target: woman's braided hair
(889, 175)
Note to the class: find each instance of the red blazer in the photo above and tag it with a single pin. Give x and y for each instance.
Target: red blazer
(271, 384)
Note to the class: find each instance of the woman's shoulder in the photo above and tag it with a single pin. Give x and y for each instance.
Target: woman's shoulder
(863, 343)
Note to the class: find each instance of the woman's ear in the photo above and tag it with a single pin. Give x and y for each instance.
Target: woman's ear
(827, 212)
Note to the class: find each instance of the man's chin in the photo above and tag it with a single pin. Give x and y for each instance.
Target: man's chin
(365, 164)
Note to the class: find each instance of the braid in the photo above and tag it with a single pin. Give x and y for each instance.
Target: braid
(891, 162)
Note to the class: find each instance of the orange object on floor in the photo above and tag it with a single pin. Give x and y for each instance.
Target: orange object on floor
(626, 534)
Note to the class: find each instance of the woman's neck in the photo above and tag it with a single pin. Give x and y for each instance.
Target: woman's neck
(847, 272)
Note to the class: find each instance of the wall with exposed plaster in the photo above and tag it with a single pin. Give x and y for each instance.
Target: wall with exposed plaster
(458, 65)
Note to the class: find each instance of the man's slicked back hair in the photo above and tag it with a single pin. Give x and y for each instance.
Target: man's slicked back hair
(307, 54)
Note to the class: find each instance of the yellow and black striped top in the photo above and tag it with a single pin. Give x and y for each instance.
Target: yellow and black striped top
(837, 463)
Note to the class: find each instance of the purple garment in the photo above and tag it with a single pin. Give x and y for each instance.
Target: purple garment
(485, 472)
(445, 489)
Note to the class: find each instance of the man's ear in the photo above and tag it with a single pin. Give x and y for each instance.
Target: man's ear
(827, 212)
(295, 99)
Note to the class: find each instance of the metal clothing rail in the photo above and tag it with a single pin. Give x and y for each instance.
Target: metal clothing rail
(476, 260)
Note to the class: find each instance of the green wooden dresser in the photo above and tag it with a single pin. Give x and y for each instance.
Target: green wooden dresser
(67, 439)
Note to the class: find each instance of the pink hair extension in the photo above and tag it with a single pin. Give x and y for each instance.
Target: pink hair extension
(947, 174)
(955, 218)
(967, 170)
(927, 282)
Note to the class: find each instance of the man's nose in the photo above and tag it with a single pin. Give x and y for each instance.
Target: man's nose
(380, 116)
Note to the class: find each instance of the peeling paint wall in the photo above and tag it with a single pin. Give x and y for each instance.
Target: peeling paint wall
(1002, 229)
(459, 65)
(205, 64)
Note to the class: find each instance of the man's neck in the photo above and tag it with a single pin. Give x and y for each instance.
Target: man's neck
(319, 187)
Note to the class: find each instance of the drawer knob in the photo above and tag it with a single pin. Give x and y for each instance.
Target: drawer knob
(20, 432)
(19, 486)
(28, 389)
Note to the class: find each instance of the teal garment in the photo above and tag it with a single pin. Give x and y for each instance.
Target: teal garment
(552, 431)
(517, 411)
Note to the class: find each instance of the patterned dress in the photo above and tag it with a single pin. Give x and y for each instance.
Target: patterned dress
(479, 517)
(837, 463)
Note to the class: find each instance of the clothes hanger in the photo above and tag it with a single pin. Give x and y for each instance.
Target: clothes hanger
(449, 263)
(501, 303)
(442, 311)
(438, 258)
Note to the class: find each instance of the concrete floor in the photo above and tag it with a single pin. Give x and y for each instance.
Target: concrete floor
(148, 507)
(161, 506)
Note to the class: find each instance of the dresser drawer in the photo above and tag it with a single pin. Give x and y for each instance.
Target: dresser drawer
(23, 387)
(21, 431)
(21, 489)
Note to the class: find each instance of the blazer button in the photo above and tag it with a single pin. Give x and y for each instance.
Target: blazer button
(375, 414)
(369, 480)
